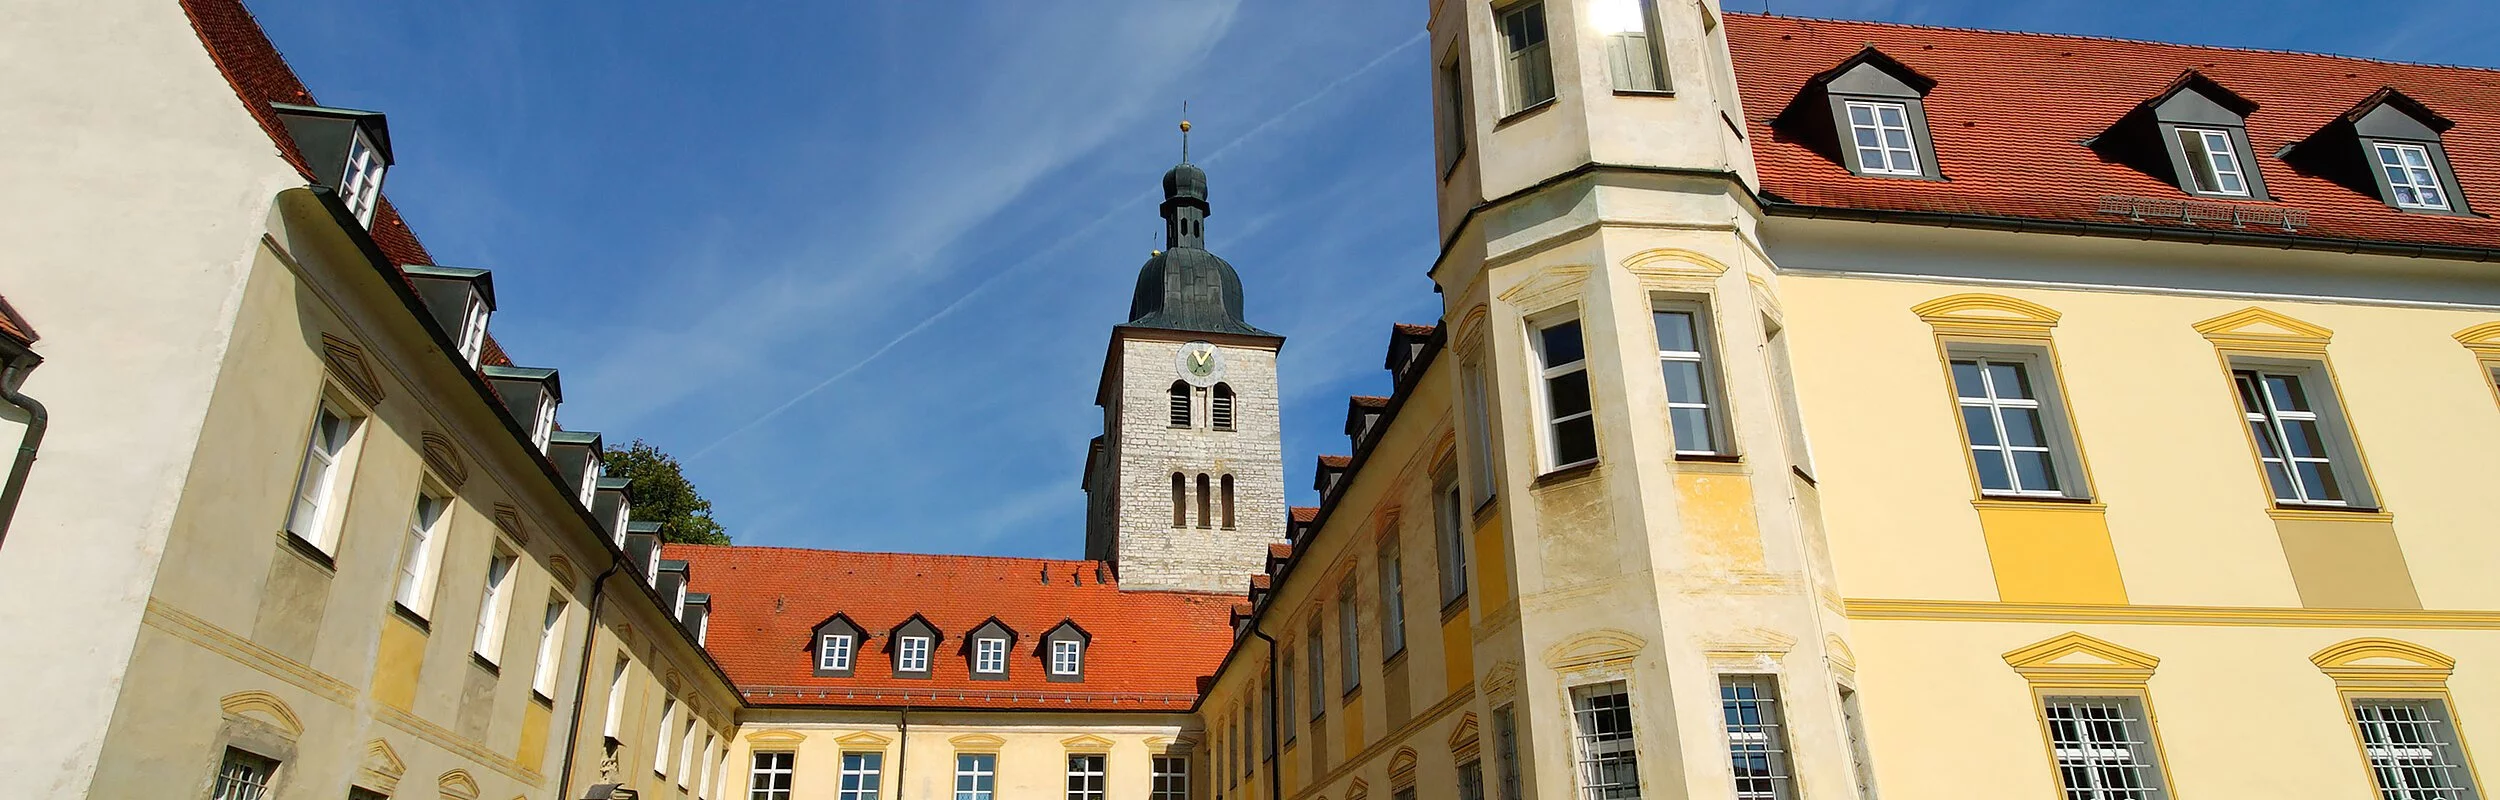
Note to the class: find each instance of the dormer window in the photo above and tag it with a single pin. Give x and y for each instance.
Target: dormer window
(911, 654)
(2193, 135)
(1067, 658)
(360, 185)
(2411, 182)
(2213, 163)
(345, 149)
(1881, 134)
(473, 330)
(1869, 113)
(531, 395)
(545, 425)
(989, 656)
(833, 652)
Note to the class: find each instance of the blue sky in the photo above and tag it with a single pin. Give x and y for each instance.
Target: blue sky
(856, 263)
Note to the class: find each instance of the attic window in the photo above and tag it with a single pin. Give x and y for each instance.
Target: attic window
(2193, 135)
(1869, 112)
(473, 329)
(1881, 134)
(2411, 182)
(1067, 657)
(912, 654)
(989, 656)
(360, 186)
(2213, 163)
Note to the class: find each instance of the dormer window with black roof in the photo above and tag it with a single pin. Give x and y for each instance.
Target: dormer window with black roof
(2388, 146)
(531, 394)
(1870, 114)
(987, 650)
(911, 644)
(1064, 649)
(837, 643)
(2194, 135)
(347, 149)
(460, 299)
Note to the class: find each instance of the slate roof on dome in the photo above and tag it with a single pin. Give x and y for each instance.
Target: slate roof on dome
(1183, 287)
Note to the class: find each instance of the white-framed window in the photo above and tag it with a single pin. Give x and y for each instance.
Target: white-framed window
(660, 739)
(550, 648)
(2013, 421)
(1688, 362)
(685, 753)
(1449, 523)
(989, 656)
(1861, 763)
(1170, 776)
(1067, 657)
(2213, 163)
(1085, 778)
(2103, 747)
(1757, 737)
(912, 654)
(1480, 466)
(1349, 637)
(493, 606)
(473, 330)
(543, 427)
(861, 775)
(1570, 420)
(771, 777)
(1527, 60)
(976, 776)
(315, 480)
(2411, 177)
(1506, 752)
(1220, 407)
(1880, 132)
(2301, 442)
(833, 652)
(615, 726)
(2413, 750)
(360, 184)
(1392, 599)
(1601, 716)
(1630, 50)
(416, 559)
(703, 768)
(1181, 414)
(243, 775)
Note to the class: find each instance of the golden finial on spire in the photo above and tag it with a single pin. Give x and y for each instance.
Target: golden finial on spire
(1184, 131)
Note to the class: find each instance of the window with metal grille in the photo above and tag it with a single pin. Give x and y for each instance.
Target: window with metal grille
(976, 776)
(1527, 61)
(1170, 778)
(1085, 777)
(2103, 747)
(2413, 749)
(1506, 752)
(861, 775)
(1220, 408)
(1181, 413)
(770, 779)
(2297, 436)
(2411, 177)
(1571, 424)
(307, 518)
(243, 776)
(2009, 414)
(1881, 134)
(1471, 780)
(1684, 357)
(1757, 736)
(1601, 715)
(2213, 164)
(989, 656)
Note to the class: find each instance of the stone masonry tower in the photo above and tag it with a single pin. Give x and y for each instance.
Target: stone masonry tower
(1611, 301)
(1185, 489)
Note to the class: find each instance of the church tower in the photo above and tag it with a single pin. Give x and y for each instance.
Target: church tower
(1185, 488)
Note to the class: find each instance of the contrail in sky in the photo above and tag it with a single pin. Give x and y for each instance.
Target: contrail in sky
(1116, 211)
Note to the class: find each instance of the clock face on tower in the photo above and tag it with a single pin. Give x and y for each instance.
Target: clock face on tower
(1201, 364)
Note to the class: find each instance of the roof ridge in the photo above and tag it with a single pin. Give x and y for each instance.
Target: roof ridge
(833, 551)
(2116, 39)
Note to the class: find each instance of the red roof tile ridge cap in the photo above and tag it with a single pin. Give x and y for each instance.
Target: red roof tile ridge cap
(2114, 39)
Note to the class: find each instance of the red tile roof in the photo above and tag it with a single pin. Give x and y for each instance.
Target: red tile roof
(1335, 462)
(1305, 513)
(1369, 401)
(1281, 550)
(2009, 112)
(1412, 329)
(1147, 651)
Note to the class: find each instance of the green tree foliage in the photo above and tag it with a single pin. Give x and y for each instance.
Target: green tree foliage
(661, 493)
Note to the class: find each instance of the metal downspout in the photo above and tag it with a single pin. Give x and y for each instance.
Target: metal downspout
(581, 679)
(1275, 769)
(37, 419)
